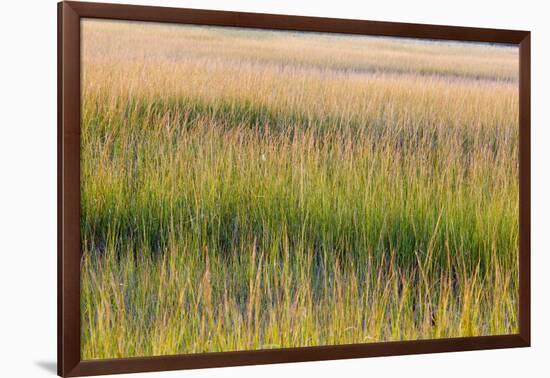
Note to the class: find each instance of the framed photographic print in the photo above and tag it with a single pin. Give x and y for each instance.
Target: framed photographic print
(239, 188)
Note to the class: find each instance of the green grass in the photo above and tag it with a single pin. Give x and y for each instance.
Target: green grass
(249, 214)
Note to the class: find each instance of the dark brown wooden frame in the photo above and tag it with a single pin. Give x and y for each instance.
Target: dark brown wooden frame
(69, 15)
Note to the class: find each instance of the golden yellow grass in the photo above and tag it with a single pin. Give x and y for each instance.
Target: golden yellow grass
(246, 189)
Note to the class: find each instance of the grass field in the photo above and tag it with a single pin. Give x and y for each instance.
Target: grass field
(248, 189)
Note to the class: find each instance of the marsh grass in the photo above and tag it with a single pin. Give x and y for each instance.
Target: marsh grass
(252, 189)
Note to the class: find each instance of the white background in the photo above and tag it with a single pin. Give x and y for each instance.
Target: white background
(28, 186)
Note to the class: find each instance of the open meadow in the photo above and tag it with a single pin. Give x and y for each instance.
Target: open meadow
(246, 189)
